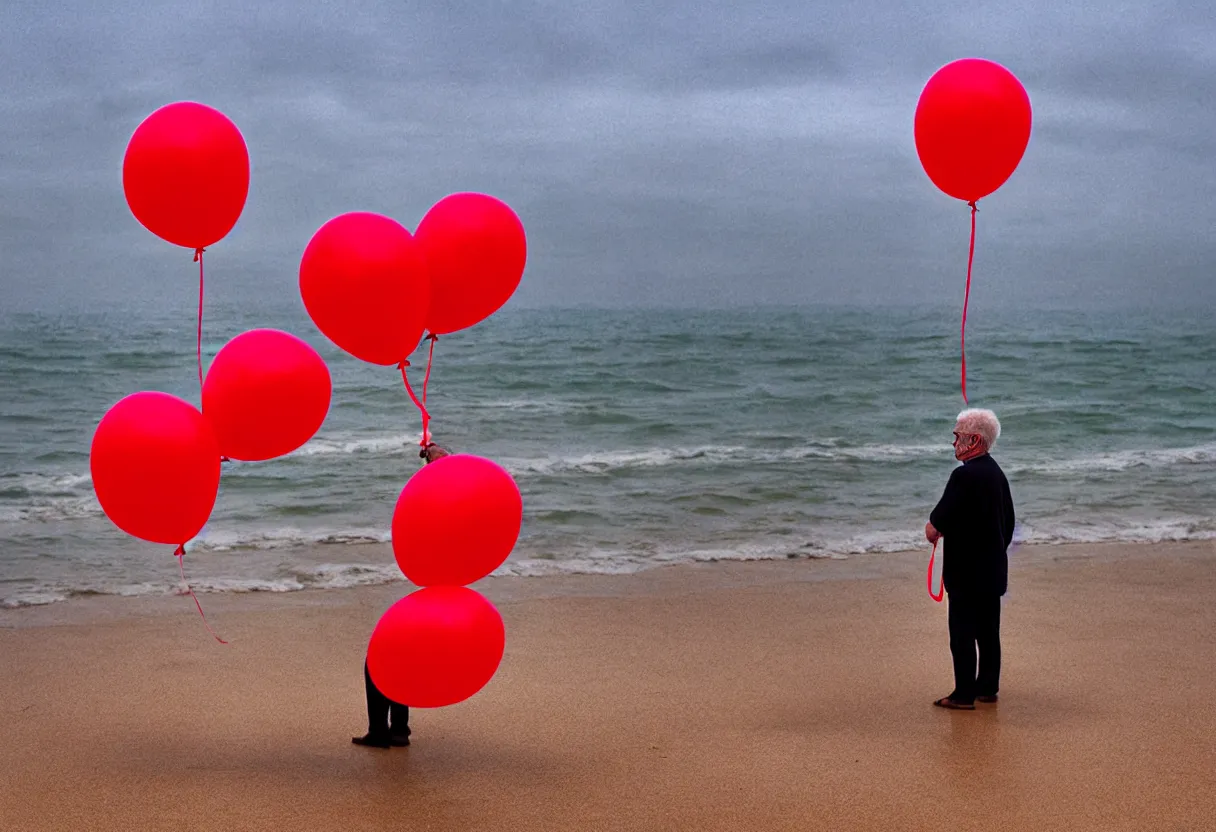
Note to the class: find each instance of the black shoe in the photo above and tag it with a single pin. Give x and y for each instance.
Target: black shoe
(372, 741)
(954, 704)
(988, 700)
(399, 740)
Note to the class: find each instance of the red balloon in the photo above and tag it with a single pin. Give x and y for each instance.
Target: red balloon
(436, 647)
(476, 249)
(186, 174)
(456, 521)
(266, 394)
(156, 467)
(365, 285)
(972, 126)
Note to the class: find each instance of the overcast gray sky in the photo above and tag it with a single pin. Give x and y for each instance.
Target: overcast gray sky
(669, 153)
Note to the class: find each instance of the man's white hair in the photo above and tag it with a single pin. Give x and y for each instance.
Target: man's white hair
(979, 421)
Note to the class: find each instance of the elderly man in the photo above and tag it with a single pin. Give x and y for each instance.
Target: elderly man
(975, 520)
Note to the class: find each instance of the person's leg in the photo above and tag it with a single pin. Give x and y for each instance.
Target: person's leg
(988, 638)
(400, 730)
(961, 618)
(377, 715)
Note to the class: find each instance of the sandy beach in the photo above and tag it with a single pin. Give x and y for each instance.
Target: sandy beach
(766, 695)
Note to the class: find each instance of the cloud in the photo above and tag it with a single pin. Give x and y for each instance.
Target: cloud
(704, 153)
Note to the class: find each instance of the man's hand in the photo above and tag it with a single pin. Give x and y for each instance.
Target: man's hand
(434, 452)
(932, 534)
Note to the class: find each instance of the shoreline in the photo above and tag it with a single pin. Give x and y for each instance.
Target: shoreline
(698, 575)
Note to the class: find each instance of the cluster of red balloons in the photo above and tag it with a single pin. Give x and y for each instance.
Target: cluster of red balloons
(373, 289)
(155, 458)
(972, 126)
(455, 522)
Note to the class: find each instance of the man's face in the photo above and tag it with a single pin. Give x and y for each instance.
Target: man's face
(964, 443)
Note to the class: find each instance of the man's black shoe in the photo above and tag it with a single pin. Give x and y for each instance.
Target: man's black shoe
(372, 742)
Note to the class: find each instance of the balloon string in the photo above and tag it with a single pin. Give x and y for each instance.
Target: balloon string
(198, 258)
(426, 417)
(929, 577)
(966, 300)
(430, 355)
(180, 554)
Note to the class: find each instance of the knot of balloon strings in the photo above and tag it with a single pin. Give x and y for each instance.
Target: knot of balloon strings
(180, 554)
(966, 299)
(198, 258)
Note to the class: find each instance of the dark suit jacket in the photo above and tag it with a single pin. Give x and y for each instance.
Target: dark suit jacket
(975, 516)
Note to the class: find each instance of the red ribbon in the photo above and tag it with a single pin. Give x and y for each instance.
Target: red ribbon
(430, 355)
(421, 403)
(966, 299)
(198, 258)
(180, 554)
(929, 578)
(426, 417)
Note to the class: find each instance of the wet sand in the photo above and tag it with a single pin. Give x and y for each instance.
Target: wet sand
(771, 695)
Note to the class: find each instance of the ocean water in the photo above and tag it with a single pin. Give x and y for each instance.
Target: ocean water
(637, 438)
